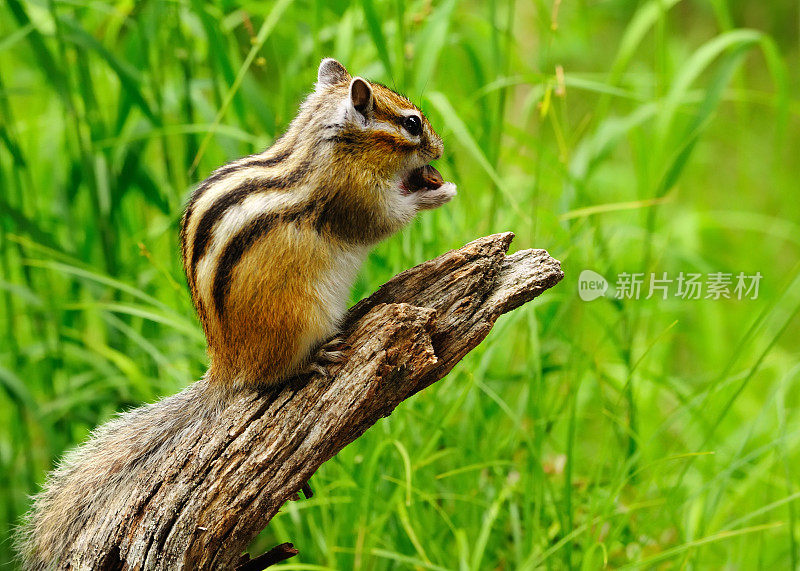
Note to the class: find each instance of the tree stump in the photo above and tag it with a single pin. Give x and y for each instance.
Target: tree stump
(225, 482)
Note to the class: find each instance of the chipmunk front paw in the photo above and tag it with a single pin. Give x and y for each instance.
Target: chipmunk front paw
(436, 197)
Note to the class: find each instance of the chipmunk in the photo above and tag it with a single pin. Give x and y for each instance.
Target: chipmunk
(271, 245)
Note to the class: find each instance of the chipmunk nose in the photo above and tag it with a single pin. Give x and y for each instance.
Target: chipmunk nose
(436, 149)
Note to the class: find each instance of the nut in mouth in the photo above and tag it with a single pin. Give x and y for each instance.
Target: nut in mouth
(422, 178)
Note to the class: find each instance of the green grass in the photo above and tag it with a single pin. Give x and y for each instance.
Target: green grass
(618, 433)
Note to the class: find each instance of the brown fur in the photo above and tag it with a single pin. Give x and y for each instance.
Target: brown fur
(267, 313)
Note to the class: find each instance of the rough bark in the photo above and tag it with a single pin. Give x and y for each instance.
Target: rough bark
(222, 487)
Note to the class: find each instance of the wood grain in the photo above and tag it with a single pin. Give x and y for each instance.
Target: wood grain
(223, 484)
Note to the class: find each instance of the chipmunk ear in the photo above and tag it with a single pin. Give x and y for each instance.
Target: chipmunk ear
(331, 72)
(361, 96)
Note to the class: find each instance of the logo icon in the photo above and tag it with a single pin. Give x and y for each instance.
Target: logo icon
(591, 285)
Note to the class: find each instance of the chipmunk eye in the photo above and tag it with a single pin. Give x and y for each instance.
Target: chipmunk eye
(413, 125)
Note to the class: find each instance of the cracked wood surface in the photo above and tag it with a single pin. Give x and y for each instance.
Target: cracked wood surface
(225, 481)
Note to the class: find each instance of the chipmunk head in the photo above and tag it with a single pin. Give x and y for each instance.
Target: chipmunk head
(382, 132)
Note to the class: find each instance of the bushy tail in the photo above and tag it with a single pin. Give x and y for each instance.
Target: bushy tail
(89, 477)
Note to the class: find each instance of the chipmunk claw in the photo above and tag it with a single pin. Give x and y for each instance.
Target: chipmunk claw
(314, 367)
(331, 353)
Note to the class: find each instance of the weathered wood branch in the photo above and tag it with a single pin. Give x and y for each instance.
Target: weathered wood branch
(226, 481)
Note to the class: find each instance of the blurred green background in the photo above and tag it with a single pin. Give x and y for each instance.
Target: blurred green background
(622, 136)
